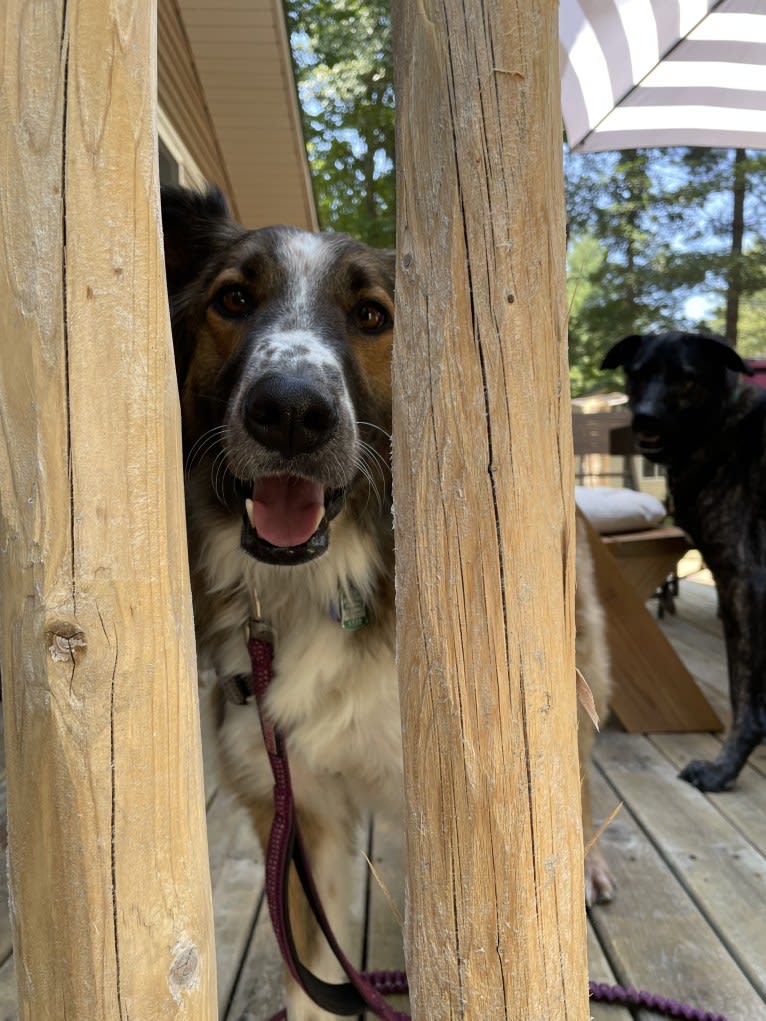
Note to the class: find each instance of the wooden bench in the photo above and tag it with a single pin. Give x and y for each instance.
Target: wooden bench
(653, 690)
(648, 557)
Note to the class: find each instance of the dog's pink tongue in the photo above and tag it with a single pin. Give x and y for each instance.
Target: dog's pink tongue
(287, 510)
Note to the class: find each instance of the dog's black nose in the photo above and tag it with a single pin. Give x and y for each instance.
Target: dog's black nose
(288, 414)
(645, 423)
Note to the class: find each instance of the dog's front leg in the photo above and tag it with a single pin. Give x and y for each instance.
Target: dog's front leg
(743, 612)
(599, 883)
(332, 849)
(720, 774)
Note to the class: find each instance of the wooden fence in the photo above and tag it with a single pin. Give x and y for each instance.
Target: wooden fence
(111, 899)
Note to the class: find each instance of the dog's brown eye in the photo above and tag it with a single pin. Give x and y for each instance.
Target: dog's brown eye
(372, 317)
(234, 301)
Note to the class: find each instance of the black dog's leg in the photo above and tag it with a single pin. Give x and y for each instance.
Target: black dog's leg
(720, 774)
(743, 604)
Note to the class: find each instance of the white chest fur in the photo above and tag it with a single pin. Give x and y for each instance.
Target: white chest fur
(334, 692)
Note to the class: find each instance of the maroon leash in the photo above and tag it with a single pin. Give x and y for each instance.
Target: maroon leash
(363, 990)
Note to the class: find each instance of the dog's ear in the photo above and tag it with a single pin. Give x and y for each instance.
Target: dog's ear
(194, 224)
(721, 352)
(623, 352)
(388, 256)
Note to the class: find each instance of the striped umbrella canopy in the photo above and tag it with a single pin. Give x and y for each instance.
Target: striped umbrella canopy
(640, 73)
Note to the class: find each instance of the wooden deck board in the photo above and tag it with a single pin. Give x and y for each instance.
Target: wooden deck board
(654, 935)
(719, 869)
(8, 1000)
(699, 604)
(745, 806)
(385, 939)
(258, 993)
(599, 970)
(237, 876)
(688, 919)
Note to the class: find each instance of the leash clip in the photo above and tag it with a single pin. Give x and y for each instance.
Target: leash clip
(258, 630)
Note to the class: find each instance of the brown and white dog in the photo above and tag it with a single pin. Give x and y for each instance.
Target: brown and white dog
(283, 351)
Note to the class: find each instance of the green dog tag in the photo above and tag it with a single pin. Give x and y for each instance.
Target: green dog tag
(353, 612)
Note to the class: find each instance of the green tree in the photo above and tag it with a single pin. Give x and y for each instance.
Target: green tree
(752, 325)
(613, 203)
(344, 70)
(674, 224)
(751, 317)
(721, 199)
(585, 262)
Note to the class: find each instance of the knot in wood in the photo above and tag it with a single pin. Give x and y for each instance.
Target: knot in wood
(66, 642)
(184, 970)
(407, 260)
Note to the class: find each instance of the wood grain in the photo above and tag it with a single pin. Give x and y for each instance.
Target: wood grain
(108, 859)
(483, 484)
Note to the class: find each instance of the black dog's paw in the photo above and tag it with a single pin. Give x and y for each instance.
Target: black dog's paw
(707, 776)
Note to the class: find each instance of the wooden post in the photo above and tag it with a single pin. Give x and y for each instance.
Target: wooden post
(110, 892)
(484, 484)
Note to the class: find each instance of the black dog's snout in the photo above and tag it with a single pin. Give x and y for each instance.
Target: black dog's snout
(288, 414)
(644, 422)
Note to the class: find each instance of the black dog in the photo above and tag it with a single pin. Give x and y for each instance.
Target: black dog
(694, 414)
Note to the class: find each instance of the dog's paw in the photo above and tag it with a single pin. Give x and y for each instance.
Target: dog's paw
(599, 883)
(707, 776)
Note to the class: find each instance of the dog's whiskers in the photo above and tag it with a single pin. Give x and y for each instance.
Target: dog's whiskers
(203, 446)
(378, 459)
(218, 470)
(373, 460)
(372, 425)
(363, 466)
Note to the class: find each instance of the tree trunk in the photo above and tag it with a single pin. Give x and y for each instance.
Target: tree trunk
(483, 483)
(109, 886)
(734, 282)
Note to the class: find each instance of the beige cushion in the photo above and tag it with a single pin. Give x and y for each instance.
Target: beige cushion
(612, 510)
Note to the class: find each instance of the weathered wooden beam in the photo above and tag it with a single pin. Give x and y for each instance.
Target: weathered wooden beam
(110, 892)
(484, 485)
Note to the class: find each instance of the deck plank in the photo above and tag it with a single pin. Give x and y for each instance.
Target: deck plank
(653, 933)
(8, 995)
(385, 938)
(599, 970)
(702, 647)
(721, 871)
(259, 992)
(237, 877)
(745, 805)
(700, 601)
